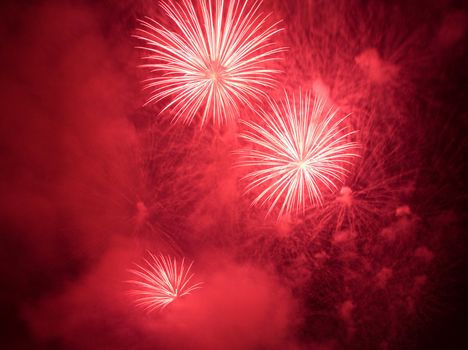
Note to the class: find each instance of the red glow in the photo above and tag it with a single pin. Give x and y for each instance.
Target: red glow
(365, 245)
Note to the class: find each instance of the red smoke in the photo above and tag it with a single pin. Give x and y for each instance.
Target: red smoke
(90, 180)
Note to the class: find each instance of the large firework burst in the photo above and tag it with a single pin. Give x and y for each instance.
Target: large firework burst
(212, 60)
(161, 281)
(300, 151)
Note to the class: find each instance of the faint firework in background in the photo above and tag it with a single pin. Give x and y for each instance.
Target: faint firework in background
(376, 188)
(161, 281)
(214, 59)
(301, 151)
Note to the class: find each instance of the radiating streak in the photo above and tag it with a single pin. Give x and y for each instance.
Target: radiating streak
(161, 281)
(297, 153)
(212, 60)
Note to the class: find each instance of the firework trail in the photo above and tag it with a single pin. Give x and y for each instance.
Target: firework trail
(214, 60)
(300, 152)
(162, 281)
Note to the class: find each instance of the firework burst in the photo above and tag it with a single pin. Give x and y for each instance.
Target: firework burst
(300, 151)
(161, 281)
(212, 61)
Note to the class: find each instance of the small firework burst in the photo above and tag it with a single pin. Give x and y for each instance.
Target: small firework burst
(300, 151)
(161, 281)
(212, 60)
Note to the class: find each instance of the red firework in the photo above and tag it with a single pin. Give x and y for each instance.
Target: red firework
(300, 151)
(162, 281)
(212, 60)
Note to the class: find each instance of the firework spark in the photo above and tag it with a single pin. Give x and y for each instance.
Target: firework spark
(212, 61)
(162, 281)
(300, 152)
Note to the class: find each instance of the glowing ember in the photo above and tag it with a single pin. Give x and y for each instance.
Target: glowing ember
(300, 151)
(212, 60)
(162, 281)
